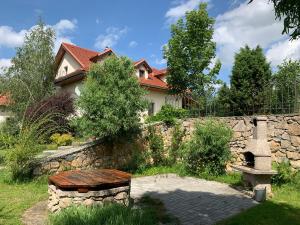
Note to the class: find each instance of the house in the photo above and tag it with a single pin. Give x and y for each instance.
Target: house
(73, 62)
(4, 114)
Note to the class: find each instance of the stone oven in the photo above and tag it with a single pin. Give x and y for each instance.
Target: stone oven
(257, 164)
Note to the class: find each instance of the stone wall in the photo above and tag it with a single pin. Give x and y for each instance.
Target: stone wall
(283, 136)
(92, 155)
(60, 199)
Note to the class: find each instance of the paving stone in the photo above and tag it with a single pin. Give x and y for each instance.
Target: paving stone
(193, 201)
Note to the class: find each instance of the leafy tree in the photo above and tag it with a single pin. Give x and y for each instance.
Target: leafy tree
(189, 53)
(30, 78)
(287, 87)
(251, 75)
(289, 11)
(111, 100)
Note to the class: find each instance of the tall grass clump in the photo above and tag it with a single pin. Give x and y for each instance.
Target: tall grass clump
(112, 214)
(208, 150)
(23, 147)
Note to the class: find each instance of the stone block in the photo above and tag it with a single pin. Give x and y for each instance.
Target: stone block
(295, 141)
(294, 129)
(295, 164)
(293, 155)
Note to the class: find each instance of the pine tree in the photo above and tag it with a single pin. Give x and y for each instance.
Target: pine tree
(250, 81)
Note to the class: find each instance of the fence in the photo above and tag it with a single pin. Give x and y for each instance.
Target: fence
(283, 98)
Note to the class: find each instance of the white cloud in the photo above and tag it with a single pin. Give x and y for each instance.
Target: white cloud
(11, 38)
(133, 44)
(180, 8)
(4, 63)
(283, 50)
(160, 61)
(253, 24)
(63, 29)
(97, 21)
(110, 38)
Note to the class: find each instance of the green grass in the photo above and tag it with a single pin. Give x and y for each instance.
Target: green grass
(229, 178)
(15, 198)
(149, 212)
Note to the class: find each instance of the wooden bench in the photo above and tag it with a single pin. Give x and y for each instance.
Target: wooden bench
(88, 187)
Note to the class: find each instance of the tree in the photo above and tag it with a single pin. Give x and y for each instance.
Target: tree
(111, 100)
(223, 101)
(287, 87)
(289, 11)
(250, 81)
(189, 53)
(31, 76)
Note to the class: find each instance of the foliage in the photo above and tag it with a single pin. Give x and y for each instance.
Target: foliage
(23, 148)
(30, 77)
(208, 150)
(17, 197)
(111, 214)
(60, 104)
(11, 126)
(284, 173)
(251, 75)
(287, 86)
(156, 146)
(168, 114)
(189, 53)
(176, 144)
(111, 100)
(223, 101)
(61, 139)
(289, 11)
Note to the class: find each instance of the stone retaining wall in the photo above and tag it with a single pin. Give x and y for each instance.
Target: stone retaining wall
(93, 155)
(283, 135)
(60, 199)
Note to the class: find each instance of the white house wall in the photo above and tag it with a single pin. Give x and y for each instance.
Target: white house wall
(68, 61)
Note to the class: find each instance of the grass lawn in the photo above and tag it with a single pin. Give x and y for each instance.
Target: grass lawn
(16, 198)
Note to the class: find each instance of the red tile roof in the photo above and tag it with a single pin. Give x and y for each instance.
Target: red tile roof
(86, 57)
(4, 100)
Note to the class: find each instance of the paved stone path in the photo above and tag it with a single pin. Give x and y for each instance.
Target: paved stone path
(193, 201)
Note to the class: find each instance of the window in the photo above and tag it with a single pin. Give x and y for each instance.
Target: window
(151, 109)
(142, 73)
(66, 69)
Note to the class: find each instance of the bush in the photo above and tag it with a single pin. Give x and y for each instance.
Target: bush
(284, 173)
(111, 100)
(176, 144)
(156, 146)
(61, 105)
(61, 139)
(112, 214)
(208, 150)
(168, 114)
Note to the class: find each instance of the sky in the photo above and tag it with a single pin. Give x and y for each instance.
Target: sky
(140, 28)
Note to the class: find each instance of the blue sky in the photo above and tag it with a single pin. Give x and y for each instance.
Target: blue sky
(139, 29)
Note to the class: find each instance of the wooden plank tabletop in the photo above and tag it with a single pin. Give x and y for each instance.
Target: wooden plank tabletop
(90, 179)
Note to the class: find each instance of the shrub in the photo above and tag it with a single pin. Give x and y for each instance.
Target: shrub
(112, 214)
(168, 114)
(61, 139)
(284, 173)
(111, 100)
(208, 150)
(176, 143)
(61, 105)
(156, 146)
